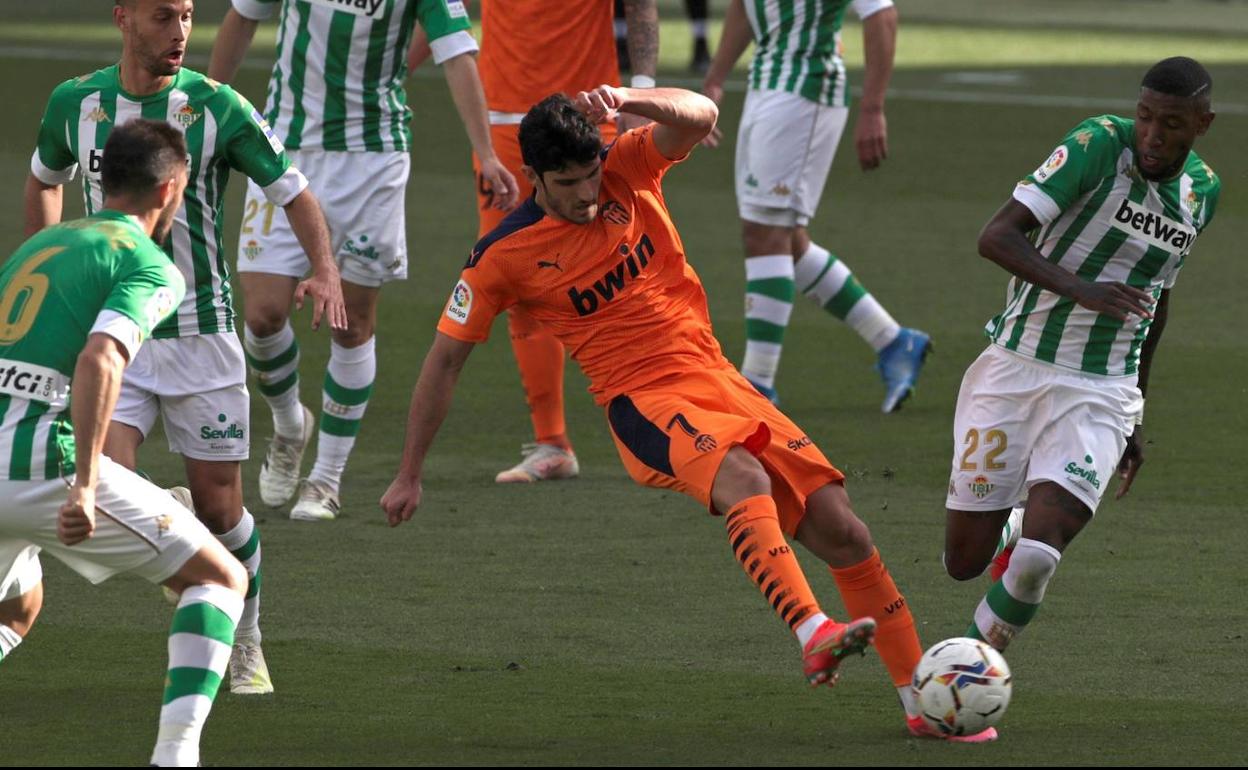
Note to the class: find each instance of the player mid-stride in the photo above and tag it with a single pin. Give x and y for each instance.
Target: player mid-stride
(78, 299)
(681, 415)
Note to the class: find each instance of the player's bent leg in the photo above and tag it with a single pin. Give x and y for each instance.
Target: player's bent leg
(769, 291)
(971, 539)
(211, 585)
(1054, 517)
(17, 615)
(121, 444)
(742, 488)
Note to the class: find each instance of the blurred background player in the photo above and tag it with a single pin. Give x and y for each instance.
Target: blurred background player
(336, 99)
(795, 109)
(681, 415)
(192, 372)
(87, 294)
(695, 12)
(1056, 403)
(523, 61)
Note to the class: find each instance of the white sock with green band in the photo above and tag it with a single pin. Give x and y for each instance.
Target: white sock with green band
(348, 384)
(244, 543)
(1013, 601)
(200, 639)
(275, 362)
(8, 640)
(768, 305)
(828, 282)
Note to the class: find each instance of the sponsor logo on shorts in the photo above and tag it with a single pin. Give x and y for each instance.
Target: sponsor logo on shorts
(369, 8)
(797, 443)
(460, 304)
(1088, 474)
(222, 431)
(750, 181)
(1154, 229)
(98, 115)
(252, 250)
(953, 488)
(980, 486)
(614, 213)
(186, 116)
(614, 281)
(1053, 164)
(781, 189)
(363, 250)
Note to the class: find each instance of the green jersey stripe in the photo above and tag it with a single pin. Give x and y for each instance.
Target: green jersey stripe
(1106, 328)
(337, 52)
(788, 17)
(372, 96)
(24, 441)
(298, 77)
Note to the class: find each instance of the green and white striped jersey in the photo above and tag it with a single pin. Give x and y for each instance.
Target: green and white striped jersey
(337, 83)
(1100, 219)
(223, 131)
(99, 274)
(797, 46)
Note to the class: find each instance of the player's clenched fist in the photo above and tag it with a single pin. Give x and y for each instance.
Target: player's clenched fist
(600, 104)
(75, 521)
(401, 500)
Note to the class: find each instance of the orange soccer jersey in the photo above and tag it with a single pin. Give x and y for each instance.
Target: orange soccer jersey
(531, 49)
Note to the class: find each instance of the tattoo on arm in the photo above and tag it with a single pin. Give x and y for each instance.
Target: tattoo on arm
(643, 36)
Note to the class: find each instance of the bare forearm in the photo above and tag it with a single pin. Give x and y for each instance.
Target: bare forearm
(735, 37)
(43, 205)
(1009, 248)
(419, 51)
(879, 38)
(431, 400)
(233, 40)
(642, 18)
(469, 97)
(308, 223)
(96, 383)
(673, 107)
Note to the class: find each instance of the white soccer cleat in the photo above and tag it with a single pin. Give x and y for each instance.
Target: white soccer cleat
(542, 462)
(183, 496)
(279, 475)
(317, 502)
(248, 673)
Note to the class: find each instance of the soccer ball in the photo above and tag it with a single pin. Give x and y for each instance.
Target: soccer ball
(962, 686)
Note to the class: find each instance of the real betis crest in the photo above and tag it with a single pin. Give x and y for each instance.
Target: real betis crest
(1194, 205)
(980, 486)
(187, 116)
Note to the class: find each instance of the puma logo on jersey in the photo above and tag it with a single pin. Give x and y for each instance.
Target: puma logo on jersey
(357, 7)
(1154, 229)
(545, 263)
(614, 280)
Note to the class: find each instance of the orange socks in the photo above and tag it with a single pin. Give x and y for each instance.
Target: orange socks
(757, 542)
(540, 359)
(868, 589)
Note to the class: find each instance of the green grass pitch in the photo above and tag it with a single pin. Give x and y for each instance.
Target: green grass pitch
(596, 622)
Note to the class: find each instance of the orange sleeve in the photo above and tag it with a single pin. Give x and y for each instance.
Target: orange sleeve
(634, 157)
(482, 292)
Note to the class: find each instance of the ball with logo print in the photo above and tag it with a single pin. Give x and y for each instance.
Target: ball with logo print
(962, 686)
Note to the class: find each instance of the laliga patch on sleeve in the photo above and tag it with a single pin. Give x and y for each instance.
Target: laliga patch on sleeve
(1051, 166)
(456, 10)
(160, 305)
(460, 304)
(274, 142)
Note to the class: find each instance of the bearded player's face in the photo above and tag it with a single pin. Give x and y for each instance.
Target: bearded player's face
(571, 193)
(155, 32)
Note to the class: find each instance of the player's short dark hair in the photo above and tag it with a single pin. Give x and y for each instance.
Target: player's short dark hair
(1179, 76)
(139, 155)
(555, 134)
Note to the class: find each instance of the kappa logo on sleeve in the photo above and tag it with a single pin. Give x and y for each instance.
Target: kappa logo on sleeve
(460, 304)
(1053, 164)
(274, 142)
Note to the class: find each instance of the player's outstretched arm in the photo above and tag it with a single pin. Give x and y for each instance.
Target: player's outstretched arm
(879, 40)
(465, 84)
(1004, 241)
(431, 400)
(43, 204)
(683, 117)
(233, 40)
(325, 285)
(97, 382)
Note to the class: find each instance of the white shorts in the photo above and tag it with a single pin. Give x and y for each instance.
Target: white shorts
(197, 385)
(1019, 422)
(362, 195)
(139, 528)
(785, 148)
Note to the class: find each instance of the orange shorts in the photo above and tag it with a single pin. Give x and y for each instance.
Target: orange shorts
(674, 433)
(506, 141)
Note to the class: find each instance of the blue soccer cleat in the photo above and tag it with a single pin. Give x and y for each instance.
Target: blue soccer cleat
(899, 366)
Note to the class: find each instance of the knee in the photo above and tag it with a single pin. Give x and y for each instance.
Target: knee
(765, 239)
(264, 319)
(358, 332)
(962, 567)
(19, 614)
(740, 476)
(830, 520)
(234, 577)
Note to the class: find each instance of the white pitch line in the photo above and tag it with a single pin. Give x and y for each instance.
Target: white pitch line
(942, 95)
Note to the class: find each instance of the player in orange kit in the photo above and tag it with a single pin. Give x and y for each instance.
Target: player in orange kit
(531, 48)
(594, 257)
